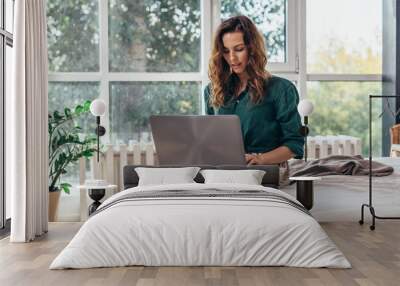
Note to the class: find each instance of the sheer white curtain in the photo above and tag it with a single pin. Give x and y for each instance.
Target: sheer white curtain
(27, 155)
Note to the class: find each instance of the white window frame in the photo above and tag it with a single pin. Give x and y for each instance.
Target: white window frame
(291, 65)
(104, 77)
(295, 69)
(6, 41)
(305, 77)
(331, 77)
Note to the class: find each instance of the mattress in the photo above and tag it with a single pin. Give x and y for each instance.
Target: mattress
(201, 225)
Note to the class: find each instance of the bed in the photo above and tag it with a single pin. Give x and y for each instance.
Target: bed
(201, 224)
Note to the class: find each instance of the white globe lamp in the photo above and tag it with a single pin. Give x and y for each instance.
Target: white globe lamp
(305, 108)
(98, 108)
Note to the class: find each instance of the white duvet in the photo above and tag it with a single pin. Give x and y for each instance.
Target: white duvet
(200, 231)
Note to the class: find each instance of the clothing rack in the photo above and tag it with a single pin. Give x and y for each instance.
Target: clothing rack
(370, 205)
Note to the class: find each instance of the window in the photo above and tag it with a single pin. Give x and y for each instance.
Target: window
(9, 16)
(144, 56)
(136, 49)
(342, 108)
(132, 103)
(6, 43)
(130, 48)
(337, 44)
(344, 66)
(154, 36)
(73, 35)
(70, 94)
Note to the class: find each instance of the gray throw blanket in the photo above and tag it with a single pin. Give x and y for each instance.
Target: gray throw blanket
(338, 165)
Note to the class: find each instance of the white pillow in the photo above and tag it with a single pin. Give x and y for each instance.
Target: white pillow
(248, 177)
(163, 176)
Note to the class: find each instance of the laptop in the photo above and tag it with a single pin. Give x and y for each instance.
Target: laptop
(198, 139)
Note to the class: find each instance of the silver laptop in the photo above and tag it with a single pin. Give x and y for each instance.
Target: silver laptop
(198, 140)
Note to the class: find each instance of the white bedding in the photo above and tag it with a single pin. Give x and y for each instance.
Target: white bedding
(200, 231)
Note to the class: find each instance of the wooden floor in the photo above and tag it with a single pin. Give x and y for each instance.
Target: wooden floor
(374, 255)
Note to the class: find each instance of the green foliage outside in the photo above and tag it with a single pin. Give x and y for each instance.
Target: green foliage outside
(154, 36)
(73, 35)
(62, 94)
(148, 35)
(132, 104)
(341, 108)
(333, 56)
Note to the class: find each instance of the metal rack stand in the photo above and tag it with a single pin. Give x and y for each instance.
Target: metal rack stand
(369, 205)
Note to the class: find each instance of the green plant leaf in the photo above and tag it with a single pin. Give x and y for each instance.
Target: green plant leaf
(79, 109)
(67, 112)
(86, 105)
(66, 187)
(87, 153)
(57, 115)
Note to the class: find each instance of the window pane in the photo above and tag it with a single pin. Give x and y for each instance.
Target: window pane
(73, 35)
(2, 137)
(269, 16)
(9, 15)
(337, 43)
(341, 108)
(8, 83)
(132, 104)
(154, 36)
(70, 94)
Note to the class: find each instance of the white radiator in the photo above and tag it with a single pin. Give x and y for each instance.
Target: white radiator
(110, 168)
(323, 146)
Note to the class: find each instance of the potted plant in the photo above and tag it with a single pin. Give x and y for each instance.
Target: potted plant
(66, 146)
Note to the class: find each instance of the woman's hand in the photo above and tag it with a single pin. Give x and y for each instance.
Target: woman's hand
(253, 159)
(275, 156)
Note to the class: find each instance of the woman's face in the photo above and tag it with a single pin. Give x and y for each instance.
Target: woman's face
(235, 52)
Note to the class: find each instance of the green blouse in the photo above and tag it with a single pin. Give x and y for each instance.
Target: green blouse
(270, 124)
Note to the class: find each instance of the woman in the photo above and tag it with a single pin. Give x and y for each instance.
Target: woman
(265, 104)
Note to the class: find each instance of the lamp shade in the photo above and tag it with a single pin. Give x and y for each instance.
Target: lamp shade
(98, 107)
(305, 107)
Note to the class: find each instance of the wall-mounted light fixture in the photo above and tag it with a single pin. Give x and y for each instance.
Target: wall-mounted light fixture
(98, 108)
(305, 108)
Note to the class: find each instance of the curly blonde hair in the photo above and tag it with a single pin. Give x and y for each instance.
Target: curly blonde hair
(223, 81)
